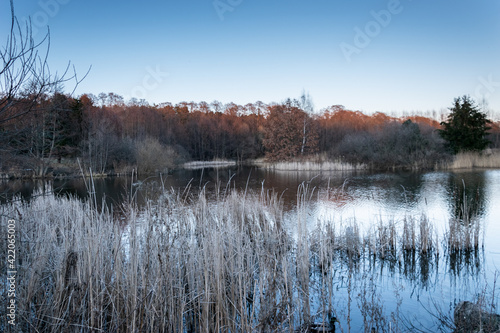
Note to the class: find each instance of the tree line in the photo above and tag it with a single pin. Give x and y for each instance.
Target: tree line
(44, 131)
(105, 134)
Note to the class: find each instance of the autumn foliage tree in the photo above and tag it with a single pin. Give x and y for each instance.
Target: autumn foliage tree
(108, 134)
(288, 132)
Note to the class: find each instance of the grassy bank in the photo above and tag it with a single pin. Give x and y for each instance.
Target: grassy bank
(184, 264)
(310, 166)
(489, 159)
(470, 160)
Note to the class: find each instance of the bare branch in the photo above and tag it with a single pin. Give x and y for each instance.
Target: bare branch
(25, 76)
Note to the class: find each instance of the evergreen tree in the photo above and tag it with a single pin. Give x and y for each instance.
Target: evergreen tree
(466, 128)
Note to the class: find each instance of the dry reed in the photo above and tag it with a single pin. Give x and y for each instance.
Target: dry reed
(464, 231)
(192, 265)
(311, 163)
(471, 160)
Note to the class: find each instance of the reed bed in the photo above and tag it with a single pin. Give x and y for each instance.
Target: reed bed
(208, 164)
(312, 163)
(471, 160)
(464, 229)
(187, 264)
(464, 234)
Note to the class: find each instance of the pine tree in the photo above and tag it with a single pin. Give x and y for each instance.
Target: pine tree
(466, 127)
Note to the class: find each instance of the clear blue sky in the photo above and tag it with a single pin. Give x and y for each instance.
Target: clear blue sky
(367, 55)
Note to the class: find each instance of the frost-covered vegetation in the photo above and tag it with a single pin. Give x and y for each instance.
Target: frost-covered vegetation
(236, 263)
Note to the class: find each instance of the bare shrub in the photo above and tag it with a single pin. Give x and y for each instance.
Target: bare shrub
(407, 145)
(152, 156)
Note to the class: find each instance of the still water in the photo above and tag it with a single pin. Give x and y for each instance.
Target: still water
(421, 286)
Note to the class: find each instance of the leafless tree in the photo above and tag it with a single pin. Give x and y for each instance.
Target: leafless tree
(306, 104)
(25, 76)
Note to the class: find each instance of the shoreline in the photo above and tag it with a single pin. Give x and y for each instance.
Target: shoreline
(461, 161)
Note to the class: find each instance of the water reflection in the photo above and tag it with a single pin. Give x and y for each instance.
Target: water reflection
(398, 189)
(339, 187)
(350, 193)
(22, 189)
(467, 195)
(342, 198)
(468, 263)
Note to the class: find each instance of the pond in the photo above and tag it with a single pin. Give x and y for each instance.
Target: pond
(420, 288)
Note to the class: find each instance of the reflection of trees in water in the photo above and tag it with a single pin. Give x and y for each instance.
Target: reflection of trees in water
(390, 189)
(23, 189)
(110, 191)
(331, 185)
(467, 195)
(404, 188)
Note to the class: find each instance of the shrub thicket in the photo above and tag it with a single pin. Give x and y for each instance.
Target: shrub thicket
(152, 156)
(407, 145)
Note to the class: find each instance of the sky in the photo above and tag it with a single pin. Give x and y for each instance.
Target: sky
(390, 56)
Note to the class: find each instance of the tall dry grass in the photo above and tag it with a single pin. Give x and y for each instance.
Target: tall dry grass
(471, 160)
(208, 164)
(312, 163)
(186, 264)
(171, 268)
(464, 234)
